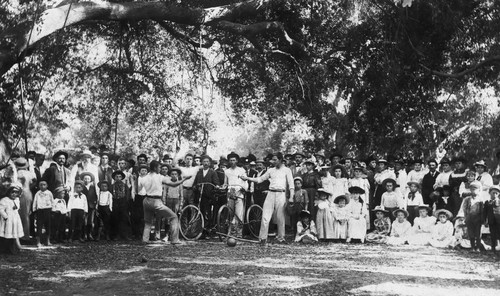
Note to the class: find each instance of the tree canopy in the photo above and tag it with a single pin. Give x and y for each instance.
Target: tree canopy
(368, 76)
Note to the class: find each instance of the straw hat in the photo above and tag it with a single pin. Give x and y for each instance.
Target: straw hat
(395, 212)
(448, 213)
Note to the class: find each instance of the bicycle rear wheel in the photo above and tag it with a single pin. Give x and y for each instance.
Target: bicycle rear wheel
(223, 221)
(254, 218)
(191, 223)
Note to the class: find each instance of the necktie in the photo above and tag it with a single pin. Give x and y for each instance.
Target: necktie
(478, 178)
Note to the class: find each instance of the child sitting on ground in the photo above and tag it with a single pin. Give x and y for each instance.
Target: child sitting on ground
(341, 215)
(306, 229)
(400, 229)
(42, 207)
(382, 227)
(422, 228)
(442, 231)
(11, 227)
(324, 216)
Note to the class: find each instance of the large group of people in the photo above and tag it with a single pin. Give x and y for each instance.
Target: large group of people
(393, 201)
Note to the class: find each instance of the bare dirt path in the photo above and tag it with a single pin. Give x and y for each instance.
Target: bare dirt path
(211, 268)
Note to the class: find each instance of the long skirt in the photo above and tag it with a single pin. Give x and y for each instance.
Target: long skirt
(339, 230)
(396, 241)
(442, 243)
(324, 224)
(9, 246)
(412, 213)
(420, 239)
(357, 228)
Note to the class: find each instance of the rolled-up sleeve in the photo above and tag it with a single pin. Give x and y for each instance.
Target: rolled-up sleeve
(265, 177)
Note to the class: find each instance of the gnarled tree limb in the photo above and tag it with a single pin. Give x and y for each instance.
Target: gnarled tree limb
(473, 68)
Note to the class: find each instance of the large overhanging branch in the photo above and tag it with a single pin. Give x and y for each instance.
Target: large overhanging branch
(15, 42)
(470, 70)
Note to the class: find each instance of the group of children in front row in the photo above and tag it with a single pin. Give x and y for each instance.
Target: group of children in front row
(345, 218)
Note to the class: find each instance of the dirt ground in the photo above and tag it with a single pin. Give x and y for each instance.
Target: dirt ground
(212, 268)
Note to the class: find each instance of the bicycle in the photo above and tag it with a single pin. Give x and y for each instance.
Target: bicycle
(226, 215)
(191, 219)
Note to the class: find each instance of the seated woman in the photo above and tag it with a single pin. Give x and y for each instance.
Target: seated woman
(401, 228)
(382, 227)
(356, 228)
(306, 229)
(442, 232)
(422, 227)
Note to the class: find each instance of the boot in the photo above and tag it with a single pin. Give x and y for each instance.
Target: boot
(89, 233)
(98, 237)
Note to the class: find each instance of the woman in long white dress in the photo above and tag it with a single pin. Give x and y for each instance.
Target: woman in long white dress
(442, 232)
(422, 227)
(356, 227)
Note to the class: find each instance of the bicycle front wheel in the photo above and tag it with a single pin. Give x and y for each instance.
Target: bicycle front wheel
(223, 221)
(254, 218)
(191, 223)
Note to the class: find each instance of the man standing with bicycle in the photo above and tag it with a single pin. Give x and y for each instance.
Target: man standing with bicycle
(204, 183)
(236, 192)
(281, 179)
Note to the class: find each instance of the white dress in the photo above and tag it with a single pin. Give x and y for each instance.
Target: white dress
(341, 216)
(422, 231)
(400, 231)
(324, 220)
(356, 228)
(442, 235)
(340, 187)
(10, 221)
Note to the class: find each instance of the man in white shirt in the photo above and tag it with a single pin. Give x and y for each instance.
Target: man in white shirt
(281, 179)
(236, 191)
(85, 166)
(189, 170)
(483, 176)
(153, 205)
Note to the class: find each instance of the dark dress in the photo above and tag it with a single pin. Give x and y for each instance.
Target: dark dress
(456, 178)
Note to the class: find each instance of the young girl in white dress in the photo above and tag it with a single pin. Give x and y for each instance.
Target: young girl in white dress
(363, 183)
(341, 214)
(306, 229)
(442, 232)
(422, 227)
(356, 227)
(324, 216)
(11, 227)
(340, 184)
(400, 229)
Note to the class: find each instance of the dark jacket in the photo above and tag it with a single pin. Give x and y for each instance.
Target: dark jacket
(428, 186)
(210, 177)
(91, 195)
(56, 178)
(492, 211)
(105, 174)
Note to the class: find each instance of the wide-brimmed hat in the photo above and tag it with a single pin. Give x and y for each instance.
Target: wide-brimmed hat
(118, 173)
(494, 187)
(356, 189)
(380, 209)
(298, 178)
(320, 154)
(260, 160)
(445, 211)
(86, 153)
(338, 198)
(233, 155)
(413, 183)
(87, 174)
(59, 153)
(358, 168)
(445, 160)
(21, 163)
(382, 161)
(395, 212)
(389, 180)
(206, 157)
(167, 157)
(480, 163)
(309, 161)
(80, 182)
(299, 153)
(335, 154)
(305, 213)
(174, 170)
(102, 182)
(14, 186)
(324, 191)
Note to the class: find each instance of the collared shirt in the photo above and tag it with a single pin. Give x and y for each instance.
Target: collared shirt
(105, 199)
(43, 200)
(233, 179)
(59, 206)
(280, 179)
(391, 200)
(205, 172)
(189, 171)
(485, 179)
(153, 184)
(140, 185)
(415, 176)
(416, 201)
(78, 201)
